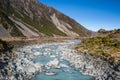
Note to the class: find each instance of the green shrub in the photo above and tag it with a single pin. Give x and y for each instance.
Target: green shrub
(5, 25)
(103, 47)
(105, 39)
(105, 54)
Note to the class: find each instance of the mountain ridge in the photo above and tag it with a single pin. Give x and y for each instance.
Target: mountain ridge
(31, 18)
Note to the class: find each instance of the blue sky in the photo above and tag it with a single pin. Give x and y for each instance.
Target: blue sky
(92, 14)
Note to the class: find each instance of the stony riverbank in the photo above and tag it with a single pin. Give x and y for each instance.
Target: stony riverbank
(10, 63)
(106, 55)
(88, 65)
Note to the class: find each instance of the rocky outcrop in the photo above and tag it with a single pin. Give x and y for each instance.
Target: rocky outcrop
(4, 32)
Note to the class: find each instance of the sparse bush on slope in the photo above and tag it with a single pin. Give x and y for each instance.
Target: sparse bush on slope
(105, 48)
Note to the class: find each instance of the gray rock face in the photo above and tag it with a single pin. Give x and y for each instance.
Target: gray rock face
(4, 32)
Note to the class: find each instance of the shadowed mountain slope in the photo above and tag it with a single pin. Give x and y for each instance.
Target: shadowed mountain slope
(30, 18)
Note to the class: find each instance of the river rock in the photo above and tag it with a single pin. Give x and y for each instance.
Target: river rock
(50, 73)
(53, 64)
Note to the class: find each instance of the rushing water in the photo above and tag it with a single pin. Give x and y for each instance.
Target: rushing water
(66, 72)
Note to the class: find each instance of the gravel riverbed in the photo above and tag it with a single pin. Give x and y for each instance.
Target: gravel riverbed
(24, 68)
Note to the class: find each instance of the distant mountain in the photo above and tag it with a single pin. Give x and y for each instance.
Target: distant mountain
(29, 18)
(112, 33)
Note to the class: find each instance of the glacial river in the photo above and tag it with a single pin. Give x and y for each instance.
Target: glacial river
(52, 59)
(65, 72)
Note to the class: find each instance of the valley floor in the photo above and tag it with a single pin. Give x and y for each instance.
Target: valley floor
(87, 64)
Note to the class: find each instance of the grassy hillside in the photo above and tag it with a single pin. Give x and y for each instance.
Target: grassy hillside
(106, 48)
(8, 24)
